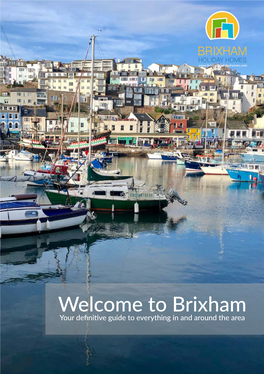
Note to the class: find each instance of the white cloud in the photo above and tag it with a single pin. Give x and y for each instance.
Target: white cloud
(62, 29)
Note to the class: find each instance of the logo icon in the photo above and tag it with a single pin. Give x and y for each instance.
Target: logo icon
(222, 25)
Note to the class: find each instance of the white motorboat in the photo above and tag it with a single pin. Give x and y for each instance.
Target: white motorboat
(155, 156)
(21, 215)
(24, 156)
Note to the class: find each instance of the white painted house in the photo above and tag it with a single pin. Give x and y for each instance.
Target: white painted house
(249, 91)
(184, 103)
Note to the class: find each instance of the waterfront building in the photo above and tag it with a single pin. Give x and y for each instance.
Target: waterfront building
(178, 123)
(10, 118)
(28, 127)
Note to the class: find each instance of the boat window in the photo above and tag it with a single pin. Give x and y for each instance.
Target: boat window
(117, 193)
(31, 213)
(99, 193)
(251, 167)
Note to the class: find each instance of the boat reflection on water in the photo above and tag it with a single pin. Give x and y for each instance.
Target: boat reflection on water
(29, 249)
(245, 186)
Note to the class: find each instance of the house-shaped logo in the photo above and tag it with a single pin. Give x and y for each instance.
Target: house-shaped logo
(222, 25)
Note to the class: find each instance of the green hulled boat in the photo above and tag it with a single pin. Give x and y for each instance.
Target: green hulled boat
(115, 195)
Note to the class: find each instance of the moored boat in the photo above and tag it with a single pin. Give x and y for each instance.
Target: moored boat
(245, 173)
(21, 215)
(253, 154)
(215, 170)
(195, 166)
(261, 177)
(118, 193)
(117, 196)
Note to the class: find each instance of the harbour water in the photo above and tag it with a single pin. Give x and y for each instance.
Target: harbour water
(217, 238)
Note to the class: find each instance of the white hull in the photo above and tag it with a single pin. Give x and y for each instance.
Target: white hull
(42, 227)
(216, 170)
(154, 156)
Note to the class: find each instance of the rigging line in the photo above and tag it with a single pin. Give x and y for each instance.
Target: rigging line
(72, 104)
(100, 49)
(8, 42)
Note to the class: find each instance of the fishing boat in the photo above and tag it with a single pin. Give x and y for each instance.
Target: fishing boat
(255, 154)
(21, 215)
(245, 173)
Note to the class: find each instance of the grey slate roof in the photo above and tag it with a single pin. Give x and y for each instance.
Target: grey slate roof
(143, 117)
(236, 125)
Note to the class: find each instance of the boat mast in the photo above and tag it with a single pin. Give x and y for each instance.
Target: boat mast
(224, 138)
(91, 100)
(78, 127)
(205, 138)
(61, 120)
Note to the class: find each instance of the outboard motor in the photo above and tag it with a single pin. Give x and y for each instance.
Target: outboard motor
(173, 195)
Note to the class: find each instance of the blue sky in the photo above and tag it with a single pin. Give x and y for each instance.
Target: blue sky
(157, 31)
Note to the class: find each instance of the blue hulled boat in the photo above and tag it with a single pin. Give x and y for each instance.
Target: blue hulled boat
(245, 173)
(194, 166)
(261, 176)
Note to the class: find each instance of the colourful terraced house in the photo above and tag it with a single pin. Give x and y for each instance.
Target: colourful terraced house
(194, 132)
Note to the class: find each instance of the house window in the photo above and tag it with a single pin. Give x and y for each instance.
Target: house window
(113, 127)
(141, 129)
(16, 125)
(10, 125)
(148, 130)
(82, 124)
(122, 127)
(10, 116)
(131, 127)
(3, 116)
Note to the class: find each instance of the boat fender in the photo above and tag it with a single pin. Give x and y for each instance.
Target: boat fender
(113, 208)
(39, 225)
(255, 179)
(136, 208)
(48, 224)
(88, 204)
